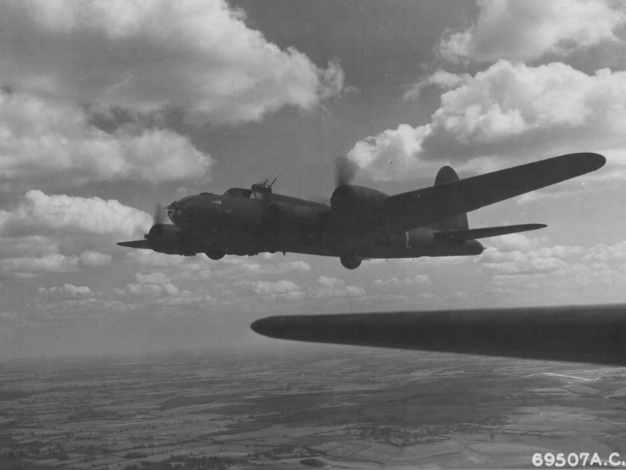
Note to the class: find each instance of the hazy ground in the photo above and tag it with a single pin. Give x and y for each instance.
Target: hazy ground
(300, 406)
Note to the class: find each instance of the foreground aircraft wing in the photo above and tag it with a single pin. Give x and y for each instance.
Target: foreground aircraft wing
(594, 334)
(428, 205)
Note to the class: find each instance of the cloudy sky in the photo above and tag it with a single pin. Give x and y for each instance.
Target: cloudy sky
(110, 106)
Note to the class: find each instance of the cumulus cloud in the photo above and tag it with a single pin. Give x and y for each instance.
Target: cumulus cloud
(238, 265)
(565, 272)
(62, 234)
(521, 254)
(39, 213)
(283, 290)
(330, 287)
(153, 289)
(511, 111)
(604, 253)
(153, 284)
(52, 144)
(529, 29)
(152, 278)
(197, 55)
(150, 259)
(441, 79)
(93, 258)
(29, 266)
(66, 290)
(419, 280)
(516, 242)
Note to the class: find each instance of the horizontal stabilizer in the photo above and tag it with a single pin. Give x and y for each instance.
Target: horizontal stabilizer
(145, 244)
(472, 234)
(426, 206)
(589, 333)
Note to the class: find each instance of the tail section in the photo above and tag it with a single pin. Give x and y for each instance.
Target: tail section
(447, 175)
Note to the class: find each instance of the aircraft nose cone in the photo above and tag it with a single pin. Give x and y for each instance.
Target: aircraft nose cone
(176, 212)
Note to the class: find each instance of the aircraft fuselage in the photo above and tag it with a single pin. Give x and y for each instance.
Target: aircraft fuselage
(251, 222)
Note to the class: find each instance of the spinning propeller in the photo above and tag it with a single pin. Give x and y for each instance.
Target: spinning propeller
(345, 171)
(155, 233)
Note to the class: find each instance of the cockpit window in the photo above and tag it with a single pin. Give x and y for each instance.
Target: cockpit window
(236, 192)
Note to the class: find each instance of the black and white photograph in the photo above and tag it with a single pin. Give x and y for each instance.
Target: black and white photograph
(294, 234)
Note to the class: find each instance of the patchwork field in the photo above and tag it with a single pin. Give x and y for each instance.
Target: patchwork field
(304, 406)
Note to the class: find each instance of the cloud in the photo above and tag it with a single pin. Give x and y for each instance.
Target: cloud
(152, 278)
(245, 266)
(48, 144)
(153, 289)
(40, 214)
(419, 280)
(93, 259)
(568, 273)
(283, 290)
(607, 253)
(330, 287)
(392, 154)
(151, 259)
(510, 111)
(516, 242)
(520, 254)
(29, 266)
(440, 79)
(196, 55)
(153, 284)
(62, 234)
(526, 30)
(280, 287)
(66, 290)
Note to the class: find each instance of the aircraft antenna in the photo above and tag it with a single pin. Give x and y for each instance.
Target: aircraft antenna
(272, 183)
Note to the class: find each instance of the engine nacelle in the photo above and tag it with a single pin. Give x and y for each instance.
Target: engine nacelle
(358, 202)
(165, 238)
(417, 238)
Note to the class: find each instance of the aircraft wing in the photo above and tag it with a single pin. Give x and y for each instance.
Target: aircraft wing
(144, 244)
(425, 206)
(594, 334)
(474, 233)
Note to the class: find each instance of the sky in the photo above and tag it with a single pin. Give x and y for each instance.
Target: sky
(108, 107)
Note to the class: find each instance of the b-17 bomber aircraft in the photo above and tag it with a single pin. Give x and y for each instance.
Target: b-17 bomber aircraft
(360, 223)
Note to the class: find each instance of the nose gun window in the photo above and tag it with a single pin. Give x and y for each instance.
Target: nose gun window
(177, 215)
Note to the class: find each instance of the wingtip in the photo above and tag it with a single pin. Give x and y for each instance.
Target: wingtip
(261, 326)
(592, 161)
(598, 160)
(272, 327)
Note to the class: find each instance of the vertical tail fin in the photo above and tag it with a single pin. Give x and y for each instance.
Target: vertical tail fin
(447, 175)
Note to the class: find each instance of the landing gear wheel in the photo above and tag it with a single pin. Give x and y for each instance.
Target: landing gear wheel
(351, 261)
(215, 255)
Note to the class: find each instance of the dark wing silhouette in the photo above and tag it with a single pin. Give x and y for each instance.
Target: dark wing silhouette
(594, 334)
(425, 206)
